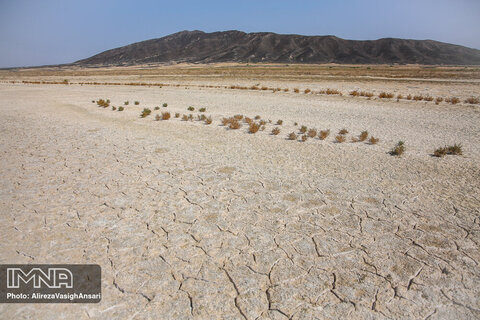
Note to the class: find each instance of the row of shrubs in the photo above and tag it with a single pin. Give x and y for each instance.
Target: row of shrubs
(235, 122)
(355, 93)
(385, 95)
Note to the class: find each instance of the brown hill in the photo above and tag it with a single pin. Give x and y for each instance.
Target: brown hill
(237, 46)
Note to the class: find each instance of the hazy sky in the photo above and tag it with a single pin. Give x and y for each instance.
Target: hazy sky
(39, 32)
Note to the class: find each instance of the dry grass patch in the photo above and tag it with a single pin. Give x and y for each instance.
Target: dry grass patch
(472, 100)
(253, 127)
(165, 115)
(324, 134)
(208, 120)
(343, 131)
(385, 95)
(234, 124)
(373, 140)
(456, 149)
(185, 117)
(363, 136)
(279, 122)
(312, 133)
(340, 138)
(354, 93)
(292, 136)
(428, 98)
(452, 100)
(275, 131)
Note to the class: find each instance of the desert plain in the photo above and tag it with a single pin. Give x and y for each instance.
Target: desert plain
(197, 221)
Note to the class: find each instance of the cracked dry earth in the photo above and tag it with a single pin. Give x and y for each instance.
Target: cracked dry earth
(198, 222)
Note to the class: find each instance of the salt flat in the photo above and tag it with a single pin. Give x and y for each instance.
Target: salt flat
(196, 221)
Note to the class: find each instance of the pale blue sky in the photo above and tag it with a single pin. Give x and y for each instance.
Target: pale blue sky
(39, 32)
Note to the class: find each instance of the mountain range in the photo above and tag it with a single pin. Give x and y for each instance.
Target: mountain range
(236, 46)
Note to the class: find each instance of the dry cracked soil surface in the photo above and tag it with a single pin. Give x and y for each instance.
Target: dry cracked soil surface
(190, 221)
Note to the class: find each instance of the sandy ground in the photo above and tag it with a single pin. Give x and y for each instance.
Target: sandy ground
(196, 221)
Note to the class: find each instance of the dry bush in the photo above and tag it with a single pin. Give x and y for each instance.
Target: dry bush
(456, 149)
(165, 115)
(208, 120)
(238, 117)
(428, 98)
(304, 138)
(177, 115)
(190, 117)
(114, 108)
(343, 131)
(312, 133)
(453, 100)
(440, 152)
(472, 100)
(307, 91)
(418, 98)
(156, 108)
(354, 139)
(303, 129)
(295, 123)
(254, 88)
(292, 136)
(340, 138)
(185, 117)
(275, 131)
(354, 93)
(257, 117)
(385, 95)
(158, 117)
(254, 127)
(262, 128)
(373, 140)
(191, 108)
(202, 109)
(121, 108)
(103, 103)
(226, 121)
(399, 96)
(165, 105)
(296, 90)
(146, 112)
(323, 134)
(330, 91)
(279, 122)
(234, 124)
(137, 103)
(286, 90)
(409, 97)
(264, 88)
(263, 122)
(247, 120)
(398, 149)
(363, 135)
(438, 100)
(366, 94)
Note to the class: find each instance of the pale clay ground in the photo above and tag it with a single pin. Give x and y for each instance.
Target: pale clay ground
(195, 221)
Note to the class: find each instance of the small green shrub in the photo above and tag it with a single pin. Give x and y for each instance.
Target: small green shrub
(157, 108)
(398, 149)
(202, 109)
(137, 103)
(121, 108)
(165, 105)
(146, 112)
(191, 108)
